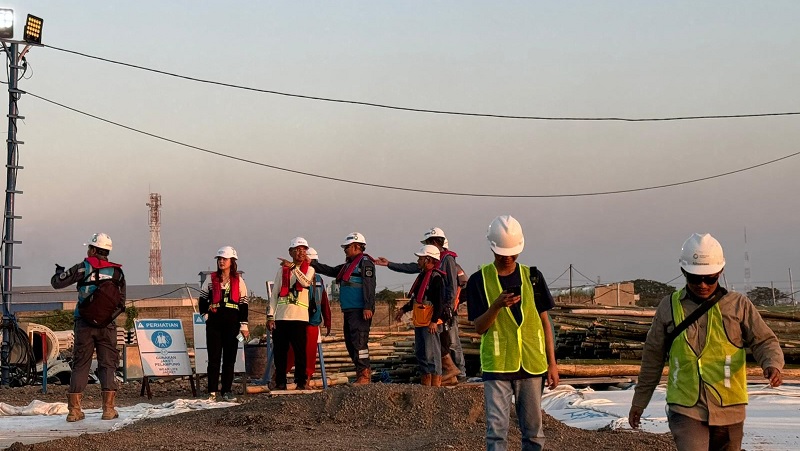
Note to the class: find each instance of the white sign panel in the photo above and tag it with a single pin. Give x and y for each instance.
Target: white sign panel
(201, 348)
(162, 347)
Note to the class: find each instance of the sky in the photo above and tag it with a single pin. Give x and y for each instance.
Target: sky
(554, 59)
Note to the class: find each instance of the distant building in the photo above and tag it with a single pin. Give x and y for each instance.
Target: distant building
(613, 294)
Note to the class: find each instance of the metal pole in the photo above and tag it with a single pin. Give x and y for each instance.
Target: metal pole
(617, 294)
(791, 288)
(570, 284)
(11, 190)
(322, 366)
(772, 286)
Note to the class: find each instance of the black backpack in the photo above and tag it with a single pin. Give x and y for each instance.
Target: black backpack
(106, 302)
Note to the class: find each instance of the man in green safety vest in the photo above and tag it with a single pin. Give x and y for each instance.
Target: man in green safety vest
(508, 303)
(702, 331)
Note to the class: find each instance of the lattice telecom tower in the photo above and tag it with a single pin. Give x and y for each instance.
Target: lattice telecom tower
(156, 278)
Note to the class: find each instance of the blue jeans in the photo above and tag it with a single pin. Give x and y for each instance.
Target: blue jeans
(497, 396)
(455, 349)
(428, 350)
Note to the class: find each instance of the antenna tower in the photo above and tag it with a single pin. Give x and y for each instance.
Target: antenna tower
(156, 278)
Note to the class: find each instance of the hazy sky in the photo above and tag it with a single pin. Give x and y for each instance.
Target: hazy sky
(633, 59)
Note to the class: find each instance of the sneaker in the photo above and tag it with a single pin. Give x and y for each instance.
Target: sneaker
(228, 397)
(212, 396)
(280, 386)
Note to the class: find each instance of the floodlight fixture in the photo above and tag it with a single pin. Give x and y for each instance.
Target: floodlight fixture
(33, 30)
(6, 23)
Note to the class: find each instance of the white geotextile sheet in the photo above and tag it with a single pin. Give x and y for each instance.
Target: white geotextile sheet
(773, 414)
(40, 421)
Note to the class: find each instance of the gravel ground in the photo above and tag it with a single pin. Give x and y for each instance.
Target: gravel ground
(348, 418)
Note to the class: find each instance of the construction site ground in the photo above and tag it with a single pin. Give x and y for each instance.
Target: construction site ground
(348, 418)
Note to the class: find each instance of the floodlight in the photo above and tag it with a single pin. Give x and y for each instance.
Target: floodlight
(33, 29)
(6, 23)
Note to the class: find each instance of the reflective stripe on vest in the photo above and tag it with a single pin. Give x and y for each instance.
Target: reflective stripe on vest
(507, 346)
(720, 366)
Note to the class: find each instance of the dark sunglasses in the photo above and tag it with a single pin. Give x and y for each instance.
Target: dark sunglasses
(695, 279)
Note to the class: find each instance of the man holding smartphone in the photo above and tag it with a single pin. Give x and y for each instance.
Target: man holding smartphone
(508, 303)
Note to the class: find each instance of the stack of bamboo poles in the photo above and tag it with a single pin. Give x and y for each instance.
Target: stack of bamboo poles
(581, 333)
(619, 333)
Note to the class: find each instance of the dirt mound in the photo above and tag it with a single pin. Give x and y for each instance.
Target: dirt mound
(375, 417)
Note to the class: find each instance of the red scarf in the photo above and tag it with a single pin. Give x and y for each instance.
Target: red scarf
(216, 289)
(348, 268)
(100, 264)
(444, 253)
(421, 284)
(286, 277)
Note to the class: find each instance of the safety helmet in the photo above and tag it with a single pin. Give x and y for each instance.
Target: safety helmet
(505, 236)
(298, 241)
(701, 254)
(434, 233)
(100, 240)
(354, 237)
(428, 250)
(311, 253)
(226, 252)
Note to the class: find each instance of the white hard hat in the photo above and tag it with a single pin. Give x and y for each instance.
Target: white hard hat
(311, 253)
(702, 254)
(298, 241)
(354, 237)
(226, 252)
(505, 236)
(428, 251)
(434, 233)
(100, 240)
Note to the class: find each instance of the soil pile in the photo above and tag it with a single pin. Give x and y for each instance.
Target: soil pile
(346, 418)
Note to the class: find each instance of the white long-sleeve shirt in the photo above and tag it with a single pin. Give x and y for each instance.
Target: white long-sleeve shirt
(279, 309)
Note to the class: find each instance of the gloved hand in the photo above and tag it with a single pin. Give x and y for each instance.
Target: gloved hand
(60, 269)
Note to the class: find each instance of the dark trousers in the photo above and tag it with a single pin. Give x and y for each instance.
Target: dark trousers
(356, 337)
(696, 435)
(222, 328)
(444, 340)
(87, 340)
(288, 333)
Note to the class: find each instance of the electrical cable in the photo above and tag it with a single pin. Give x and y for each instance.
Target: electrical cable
(417, 110)
(584, 276)
(406, 189)
(556, 279)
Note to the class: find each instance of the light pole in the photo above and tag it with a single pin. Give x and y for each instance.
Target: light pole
(33, 36)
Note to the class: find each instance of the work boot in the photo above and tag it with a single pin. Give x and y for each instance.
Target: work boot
(364, 377)
(109, 412)
(449, 369)
(425, 380)
(452, 382)
(436, 380)
(74, 406)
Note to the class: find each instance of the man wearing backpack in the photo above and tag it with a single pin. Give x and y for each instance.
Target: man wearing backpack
(101, 290)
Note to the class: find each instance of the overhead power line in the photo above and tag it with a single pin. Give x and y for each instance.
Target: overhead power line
(400, 188)
(422, 110)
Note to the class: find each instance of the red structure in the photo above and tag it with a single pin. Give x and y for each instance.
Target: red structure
(156, 277)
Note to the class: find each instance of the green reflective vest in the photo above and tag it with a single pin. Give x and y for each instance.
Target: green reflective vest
(720, 366)
(506, 346)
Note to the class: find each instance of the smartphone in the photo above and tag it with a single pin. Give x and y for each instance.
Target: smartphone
(240, 337)
(516, 291)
